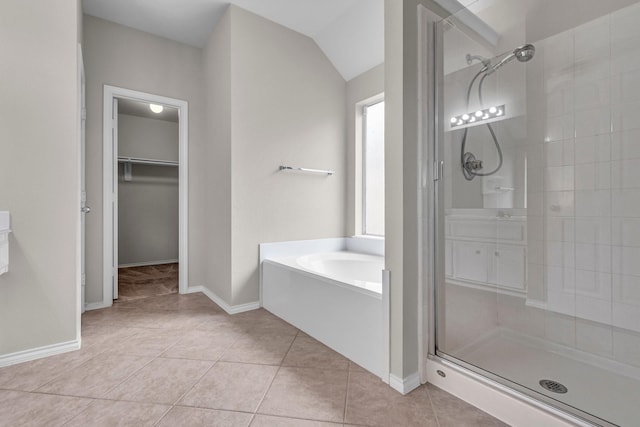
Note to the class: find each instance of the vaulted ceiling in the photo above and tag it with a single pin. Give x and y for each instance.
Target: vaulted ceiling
(350, 32)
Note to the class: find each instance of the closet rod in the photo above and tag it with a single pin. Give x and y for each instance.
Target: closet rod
(139, 161)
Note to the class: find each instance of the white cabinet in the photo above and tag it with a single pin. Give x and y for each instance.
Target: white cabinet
(486, 252)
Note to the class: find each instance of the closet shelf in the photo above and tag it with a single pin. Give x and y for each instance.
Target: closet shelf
(139, 161)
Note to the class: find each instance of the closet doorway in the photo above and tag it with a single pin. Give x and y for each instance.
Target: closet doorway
(145, 195)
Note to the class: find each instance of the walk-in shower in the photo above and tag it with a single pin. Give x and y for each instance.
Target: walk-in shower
(537, 279)
(471, 167)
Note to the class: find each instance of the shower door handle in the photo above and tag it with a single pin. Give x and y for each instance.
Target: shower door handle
(438, 170)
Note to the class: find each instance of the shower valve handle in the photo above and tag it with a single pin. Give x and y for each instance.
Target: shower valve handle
(473, 165)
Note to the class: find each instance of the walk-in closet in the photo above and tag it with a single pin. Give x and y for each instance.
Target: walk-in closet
(147, 217)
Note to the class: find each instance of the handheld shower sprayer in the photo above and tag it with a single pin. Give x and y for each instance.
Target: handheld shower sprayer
(523, 54)
(470, 165)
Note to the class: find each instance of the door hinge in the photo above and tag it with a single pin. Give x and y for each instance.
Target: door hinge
(84, 114)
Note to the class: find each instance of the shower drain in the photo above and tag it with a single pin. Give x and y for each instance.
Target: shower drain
(553, 386)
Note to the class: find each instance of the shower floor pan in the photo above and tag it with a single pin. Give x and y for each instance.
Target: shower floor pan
(608, 392)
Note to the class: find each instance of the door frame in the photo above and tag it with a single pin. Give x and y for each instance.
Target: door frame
(82, 116)
(110, 185)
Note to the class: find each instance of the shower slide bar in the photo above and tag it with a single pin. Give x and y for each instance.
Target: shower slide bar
(307, 170)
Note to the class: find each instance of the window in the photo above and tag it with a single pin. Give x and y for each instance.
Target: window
(373, 169)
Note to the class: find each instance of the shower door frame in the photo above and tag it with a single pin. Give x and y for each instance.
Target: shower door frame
(430, 60)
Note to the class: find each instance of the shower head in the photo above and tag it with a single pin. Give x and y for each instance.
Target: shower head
(522, 54)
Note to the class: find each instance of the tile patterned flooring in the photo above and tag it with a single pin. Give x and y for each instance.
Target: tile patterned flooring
(147, 281)
(179, 360)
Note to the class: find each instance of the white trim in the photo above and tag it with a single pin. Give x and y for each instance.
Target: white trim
(147, 263)
(497, 400)
(405, 385)
(38, 353)
(96, 305)
(230, 309)
(110, 194)
(386, 326)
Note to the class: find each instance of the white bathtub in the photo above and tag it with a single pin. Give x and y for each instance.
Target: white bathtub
(362, 271)
(337, 298)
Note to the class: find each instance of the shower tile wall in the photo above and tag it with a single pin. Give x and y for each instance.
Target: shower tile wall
(583, 189)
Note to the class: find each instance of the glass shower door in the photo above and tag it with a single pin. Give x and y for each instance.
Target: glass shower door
(539, 284)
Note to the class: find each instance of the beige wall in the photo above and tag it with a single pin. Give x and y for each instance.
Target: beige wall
(39, 173)
(217, 72)
(359, 89)
(287, 107)
(148, 203)
(147, 138)
(402, 165)
(124, 57)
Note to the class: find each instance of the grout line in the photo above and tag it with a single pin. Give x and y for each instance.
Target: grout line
(433, 407)
(72, 367)
(196, 382)
(253, 417)
(159, 420)
(85, 409)
(276, 375)
(346, 394)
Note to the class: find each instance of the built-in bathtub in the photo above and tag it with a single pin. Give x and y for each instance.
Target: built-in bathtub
(332, 293)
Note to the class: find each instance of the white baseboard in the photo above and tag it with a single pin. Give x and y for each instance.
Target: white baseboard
(96, 306)
(38, 353)
(405, 385)
(144, 264)
(230, 309)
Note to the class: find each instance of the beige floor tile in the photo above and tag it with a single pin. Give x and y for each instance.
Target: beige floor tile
(309, 353)
(202, 345)
(198, 417)
(29, 376)
(161, 381)
(268, 349)
(97, 376)
(148, 342)
(261, 322)
(108, 413)
(176, 302)
(354, 367)
(453, 412)
(271, 421)
(35, 409)
(316, 394)
(231, 386)
(371, 402)
(100, 335)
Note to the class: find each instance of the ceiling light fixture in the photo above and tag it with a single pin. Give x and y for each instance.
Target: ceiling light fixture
(156, 108)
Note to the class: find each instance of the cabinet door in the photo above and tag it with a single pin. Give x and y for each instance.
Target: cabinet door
(470, 261)
(508, 266)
